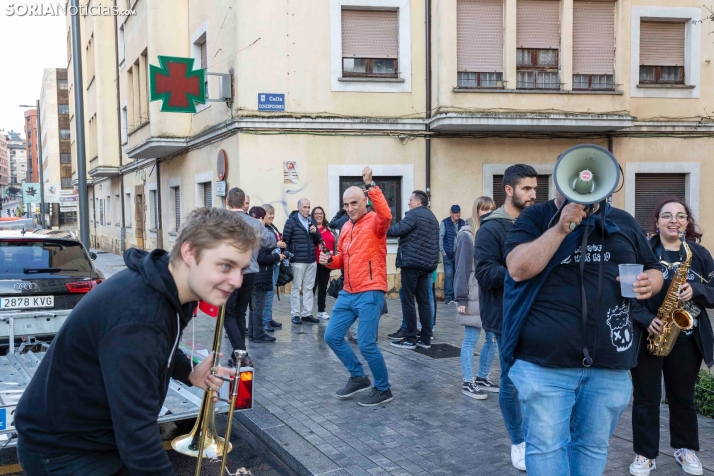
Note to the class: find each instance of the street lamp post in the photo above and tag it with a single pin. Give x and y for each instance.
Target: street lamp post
(39, 162)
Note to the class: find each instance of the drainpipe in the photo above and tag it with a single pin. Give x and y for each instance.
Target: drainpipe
(159, 233)
(428, 99)
(609, 144)
(94, 213)
(121, 175)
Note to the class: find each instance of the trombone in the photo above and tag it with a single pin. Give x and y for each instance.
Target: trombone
(203, 441)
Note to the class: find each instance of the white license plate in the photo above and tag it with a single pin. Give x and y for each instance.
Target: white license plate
(27, 302)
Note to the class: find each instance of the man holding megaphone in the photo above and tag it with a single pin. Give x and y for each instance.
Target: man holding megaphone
(568, 331)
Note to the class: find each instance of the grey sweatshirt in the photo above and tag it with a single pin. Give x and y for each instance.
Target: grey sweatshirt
(465, 285)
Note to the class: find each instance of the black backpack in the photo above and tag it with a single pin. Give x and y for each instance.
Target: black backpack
(285, 274)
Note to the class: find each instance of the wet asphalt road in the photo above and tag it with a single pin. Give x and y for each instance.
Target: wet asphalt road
(242, 460)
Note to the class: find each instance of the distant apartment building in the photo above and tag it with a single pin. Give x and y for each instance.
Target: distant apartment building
(56, 142)
(4, 165)
(32, 173)
(18, 160)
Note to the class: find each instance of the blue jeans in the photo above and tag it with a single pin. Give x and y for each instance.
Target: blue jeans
(509, 403)
(448, 279)
(488, 352)
(367, 306)
(90, 464)
(268, 312)
(569, 416)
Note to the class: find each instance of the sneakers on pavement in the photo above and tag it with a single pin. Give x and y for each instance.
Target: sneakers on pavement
(314, 320)
(399, 335)
(518, 456)
(642, 466)
(275, 324)
(323, 315)
(354, 385)
(486, 384)
(296, 320)
(471, 390)
(688, 460)
(376, 397)
(351, 340)
(403, 344)
(423, 345)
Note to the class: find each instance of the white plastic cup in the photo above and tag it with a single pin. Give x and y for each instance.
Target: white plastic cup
(628, 277)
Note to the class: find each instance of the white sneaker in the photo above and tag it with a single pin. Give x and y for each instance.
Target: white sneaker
(689, 461)
(642, 466)
(323, 315)
(518, 456)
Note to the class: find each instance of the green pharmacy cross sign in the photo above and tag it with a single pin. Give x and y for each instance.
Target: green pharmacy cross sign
(177, 84)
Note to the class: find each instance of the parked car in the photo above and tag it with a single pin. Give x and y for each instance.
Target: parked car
(43, 275)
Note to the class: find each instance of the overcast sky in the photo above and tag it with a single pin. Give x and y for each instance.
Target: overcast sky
(29, 45)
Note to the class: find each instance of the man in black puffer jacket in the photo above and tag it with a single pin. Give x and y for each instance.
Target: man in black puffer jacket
(417, 257)
(301, 236)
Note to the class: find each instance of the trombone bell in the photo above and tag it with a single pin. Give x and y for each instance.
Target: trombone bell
(213, 445)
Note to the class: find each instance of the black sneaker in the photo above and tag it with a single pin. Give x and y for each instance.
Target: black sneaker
(354, 385)
(399, 335)
(376, 397)
(312, 319)
(487, 385)
(403, 344)
(351, 340)
(296, 320)
(470, 389)
(423, 345)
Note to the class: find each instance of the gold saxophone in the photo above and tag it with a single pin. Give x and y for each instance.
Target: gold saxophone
(672, 312)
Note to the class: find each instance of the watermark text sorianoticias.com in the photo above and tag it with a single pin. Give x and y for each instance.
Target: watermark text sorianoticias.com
(57, 9)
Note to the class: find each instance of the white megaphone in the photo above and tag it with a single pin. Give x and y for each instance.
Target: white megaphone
(586, 174)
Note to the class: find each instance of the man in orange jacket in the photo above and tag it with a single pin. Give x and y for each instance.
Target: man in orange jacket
(362, 253)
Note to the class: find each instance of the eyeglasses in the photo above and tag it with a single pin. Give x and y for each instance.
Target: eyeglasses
(681, 217)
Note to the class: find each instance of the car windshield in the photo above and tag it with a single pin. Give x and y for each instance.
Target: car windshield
(16, 256)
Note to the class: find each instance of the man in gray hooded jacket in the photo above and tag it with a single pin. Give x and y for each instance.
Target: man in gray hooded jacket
(519, 184)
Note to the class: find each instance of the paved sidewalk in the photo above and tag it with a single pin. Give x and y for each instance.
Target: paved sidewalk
(429, 427)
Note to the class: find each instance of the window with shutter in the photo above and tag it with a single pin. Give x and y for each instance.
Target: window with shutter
(177, 207)
(662, 52)
(542, 190)
(593, 45)
(649, 189)
(479, 31)
(370, 43)
(207, 194)
(538, 41)
(204, 56)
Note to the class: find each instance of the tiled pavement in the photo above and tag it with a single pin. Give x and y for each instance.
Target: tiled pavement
(429, 427)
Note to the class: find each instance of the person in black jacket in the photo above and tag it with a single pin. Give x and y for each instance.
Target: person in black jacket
(97, 393)
(681, 367)
(519, 184)
(301, 236)
(268, 256)
(339, 219)
(417, 256)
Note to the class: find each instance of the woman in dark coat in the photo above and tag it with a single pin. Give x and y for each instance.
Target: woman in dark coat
(681, 367)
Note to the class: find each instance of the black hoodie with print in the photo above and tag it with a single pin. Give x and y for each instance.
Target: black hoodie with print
(102, 383)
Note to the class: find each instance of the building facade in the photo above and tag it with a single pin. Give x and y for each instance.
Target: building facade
(18, 161)
(32, 174)
(321, 89)
(4, 164)
(56, 143)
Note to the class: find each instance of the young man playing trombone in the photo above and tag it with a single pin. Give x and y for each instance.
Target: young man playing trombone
(92, 405)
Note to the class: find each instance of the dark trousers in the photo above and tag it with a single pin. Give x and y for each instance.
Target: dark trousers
(90, 464)
(322, 279)
(415, 283)
(680, 369)
(256, 329)
(236, 307)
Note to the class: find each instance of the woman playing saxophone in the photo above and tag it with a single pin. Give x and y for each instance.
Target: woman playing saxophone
(681, 366)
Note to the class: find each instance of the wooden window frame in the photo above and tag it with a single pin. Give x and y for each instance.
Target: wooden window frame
(478, 80)
(658, 75)
(369, 67)
(355, 179)
(534, 67)
(590, 83)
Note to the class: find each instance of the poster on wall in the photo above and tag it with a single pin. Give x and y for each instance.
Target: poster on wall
(290, 172)
(52, 192)
(69, 201)
(31, 192)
